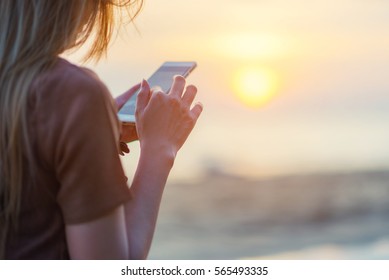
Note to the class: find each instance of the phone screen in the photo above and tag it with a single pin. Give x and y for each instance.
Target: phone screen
(162, 78)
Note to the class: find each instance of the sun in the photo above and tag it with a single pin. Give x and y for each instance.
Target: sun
(255, 87)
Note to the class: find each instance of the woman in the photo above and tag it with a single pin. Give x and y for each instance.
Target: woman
(63, 193)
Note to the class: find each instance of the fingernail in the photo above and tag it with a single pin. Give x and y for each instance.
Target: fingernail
(143, 83)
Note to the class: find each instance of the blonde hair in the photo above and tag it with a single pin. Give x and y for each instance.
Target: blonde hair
(32, 35)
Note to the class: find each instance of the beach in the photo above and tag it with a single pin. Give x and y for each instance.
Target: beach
(302, 216)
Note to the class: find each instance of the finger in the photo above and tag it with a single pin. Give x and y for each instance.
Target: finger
(189, 95)
(155, 89)
(157, 96)
(143, 96)
(122, 99)
(129, 133)
(177, 86)
(197, 110)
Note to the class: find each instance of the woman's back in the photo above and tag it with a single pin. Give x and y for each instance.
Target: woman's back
(71, 115)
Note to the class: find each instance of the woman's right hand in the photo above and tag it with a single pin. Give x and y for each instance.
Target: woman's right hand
(165, 120)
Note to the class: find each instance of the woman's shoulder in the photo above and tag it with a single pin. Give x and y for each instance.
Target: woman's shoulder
(66, 100)
(64, 68)
(68, 79)
(68, 85)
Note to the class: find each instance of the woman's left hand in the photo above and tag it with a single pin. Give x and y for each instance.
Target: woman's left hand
(128, 133)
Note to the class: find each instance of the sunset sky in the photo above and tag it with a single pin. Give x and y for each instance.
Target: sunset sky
(287, 86)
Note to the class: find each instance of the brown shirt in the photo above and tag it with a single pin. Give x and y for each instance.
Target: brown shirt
(78, 177)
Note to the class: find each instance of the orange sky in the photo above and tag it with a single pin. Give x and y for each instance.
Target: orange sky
(331, 59)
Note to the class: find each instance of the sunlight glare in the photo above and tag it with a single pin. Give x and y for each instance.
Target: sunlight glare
(255, 87)
(251, 45)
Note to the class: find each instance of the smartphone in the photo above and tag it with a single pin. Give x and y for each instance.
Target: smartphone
(162, 78)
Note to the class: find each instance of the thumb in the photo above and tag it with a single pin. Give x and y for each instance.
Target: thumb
(122, 99)
(143, 96)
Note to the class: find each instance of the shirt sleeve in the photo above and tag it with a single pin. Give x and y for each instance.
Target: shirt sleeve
(81, 144)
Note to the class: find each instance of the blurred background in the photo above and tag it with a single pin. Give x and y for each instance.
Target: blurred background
(290, 156)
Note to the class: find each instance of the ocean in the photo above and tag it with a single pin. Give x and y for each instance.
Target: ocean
(312, 216)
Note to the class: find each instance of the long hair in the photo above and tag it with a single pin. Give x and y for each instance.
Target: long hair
(32, 35)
